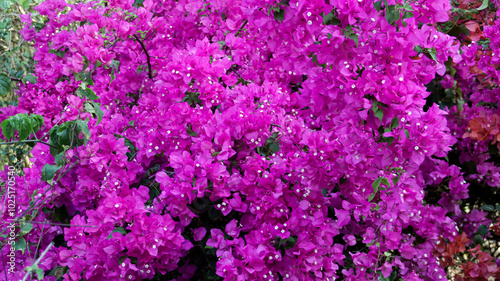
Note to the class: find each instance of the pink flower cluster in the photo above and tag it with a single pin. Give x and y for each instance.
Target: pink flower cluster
(248, 139)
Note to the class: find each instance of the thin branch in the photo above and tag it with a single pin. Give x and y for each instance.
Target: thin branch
(46, 133)
(243, 25)
(27, 141)
(147, 56)
(37, 261)
(4, 267)
(39, 201)
(153, 32)
(63, 224)
(40, 239)
(233, 69)
(113, 43)
(378, 255)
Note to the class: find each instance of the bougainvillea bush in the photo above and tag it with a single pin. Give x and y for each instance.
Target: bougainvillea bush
(257, 140)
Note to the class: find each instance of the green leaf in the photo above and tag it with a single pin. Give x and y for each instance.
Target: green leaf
(407, 7)
(98, 112)
(88, 79)
(49, 171)
(377, 5)
(407, 133)
(324, 191)
(36, 122)
(19, 74)
(79, 76)
(483, 6)
(20, 244)
(131, 148)
(112, 75)
(433, 53)
(24, 3)
(63, 133)
(94, 108)
(59, 53)
(31, 78)
(39, 272)
(119, 230)
(331, 19)
(190, 131)
(478, 239)
(371, 197)
(314, 58)
(84, 128)
(354, 37)
(460, 104)
(121, 259)
(376, 184)
(88, 93)
(290, 242)
(347, 31)
(379, 114)
(59, 159)
(395, 122)
(392, 277)
(408, 15)
(386, 182)
(7, 129)
(483, 230)
(279, 15)
(22, 123)
(24, 129)
(418, 49)
(275, 147)
(391, 13)
(388, 140)
(493, 151)
(26, 228)
(221, 44)
(5, 4)
(115, 64)
(4, 84)
(138, 3)
(488, 208)
(395, 180)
